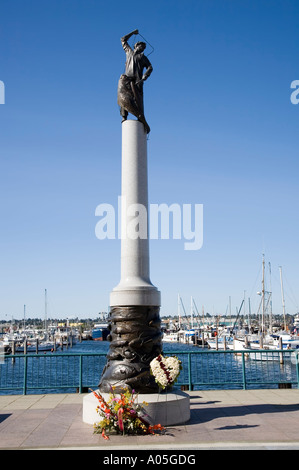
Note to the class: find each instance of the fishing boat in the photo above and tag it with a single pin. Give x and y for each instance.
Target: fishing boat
(220, 343)
(42, 346)
(100, 332)
(65, 336)
(5, 348)
(170, 337)
(272, 343)
(86, 335)
(287, 340)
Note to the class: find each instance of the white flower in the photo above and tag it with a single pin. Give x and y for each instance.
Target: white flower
(165, 370)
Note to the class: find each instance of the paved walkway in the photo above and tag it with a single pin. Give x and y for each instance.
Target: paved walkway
(223, 419)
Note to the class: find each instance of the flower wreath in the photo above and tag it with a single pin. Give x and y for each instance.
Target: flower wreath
(165, 370)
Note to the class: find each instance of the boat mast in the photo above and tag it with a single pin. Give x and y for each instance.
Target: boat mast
(270, 315)
(244, 305)
(203, 327)
(263, 296)
(249, 315)
(45, 311)
(191, 313)
(187, 319)
(179, 310)
(282, 297)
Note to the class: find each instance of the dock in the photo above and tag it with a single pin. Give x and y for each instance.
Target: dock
(220, 420)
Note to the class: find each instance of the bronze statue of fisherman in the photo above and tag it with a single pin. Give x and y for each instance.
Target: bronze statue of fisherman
(130, 85)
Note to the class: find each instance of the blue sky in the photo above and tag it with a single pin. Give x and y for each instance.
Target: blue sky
(224, 134)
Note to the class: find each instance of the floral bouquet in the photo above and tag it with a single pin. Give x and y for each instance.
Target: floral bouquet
(122, 415)
(165, 370)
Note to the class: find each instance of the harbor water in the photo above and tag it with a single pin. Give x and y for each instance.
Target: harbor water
(59, 372)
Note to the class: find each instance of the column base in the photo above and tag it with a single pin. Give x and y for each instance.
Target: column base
(135, 340)
(140, 295)
(167, 409)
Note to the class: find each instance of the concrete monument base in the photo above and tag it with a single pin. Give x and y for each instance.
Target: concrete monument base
(167, 409)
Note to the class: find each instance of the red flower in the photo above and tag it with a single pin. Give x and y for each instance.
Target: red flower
(120, 419)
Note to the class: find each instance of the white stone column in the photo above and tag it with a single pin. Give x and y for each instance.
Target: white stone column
(135, 287)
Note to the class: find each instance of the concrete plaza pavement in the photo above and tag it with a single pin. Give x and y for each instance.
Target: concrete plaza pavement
(220, 419)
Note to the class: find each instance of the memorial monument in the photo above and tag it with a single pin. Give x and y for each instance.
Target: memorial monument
(134, 324)
(134, 320)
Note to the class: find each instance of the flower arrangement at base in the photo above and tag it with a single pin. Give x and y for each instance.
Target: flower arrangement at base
(122, 415)
(165, 370)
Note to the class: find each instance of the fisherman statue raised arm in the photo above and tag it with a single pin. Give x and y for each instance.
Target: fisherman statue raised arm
(130, 85)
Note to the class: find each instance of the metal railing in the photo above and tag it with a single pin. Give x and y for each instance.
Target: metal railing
(201, 369)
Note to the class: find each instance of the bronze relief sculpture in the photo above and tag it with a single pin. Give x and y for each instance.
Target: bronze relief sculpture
(135, 340)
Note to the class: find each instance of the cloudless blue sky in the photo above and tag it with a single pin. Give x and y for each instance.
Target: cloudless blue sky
(224, 134)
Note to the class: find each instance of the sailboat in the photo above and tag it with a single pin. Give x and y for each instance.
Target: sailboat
(269, 341)
(177, 335)
(34, 342)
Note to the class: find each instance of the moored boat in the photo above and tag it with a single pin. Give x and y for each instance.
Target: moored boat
(170, 337)
(100, 332)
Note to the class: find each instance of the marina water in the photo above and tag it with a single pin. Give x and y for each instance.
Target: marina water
(58, 372)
